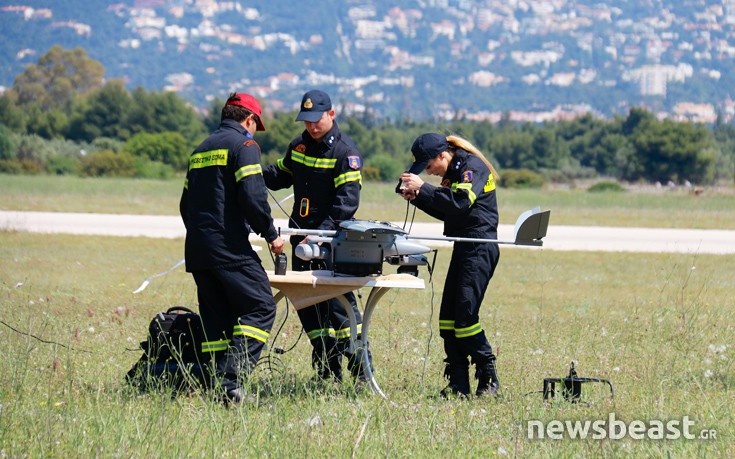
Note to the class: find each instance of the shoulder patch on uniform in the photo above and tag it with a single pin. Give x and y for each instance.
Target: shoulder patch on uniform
(467, 176)
(301, 148)
(354, 162)
(446, 182)
(250, 143)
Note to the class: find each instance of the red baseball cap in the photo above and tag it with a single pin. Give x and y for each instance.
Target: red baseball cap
(245, 100)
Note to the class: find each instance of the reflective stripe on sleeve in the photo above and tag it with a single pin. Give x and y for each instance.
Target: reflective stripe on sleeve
(490, 184)
(244, 171)
(352, 176)
(467, 188)
(311, 161)
(280, 164)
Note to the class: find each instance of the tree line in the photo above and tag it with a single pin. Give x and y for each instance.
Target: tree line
(62, 117)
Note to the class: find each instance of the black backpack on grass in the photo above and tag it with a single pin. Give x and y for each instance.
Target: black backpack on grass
(172, 354)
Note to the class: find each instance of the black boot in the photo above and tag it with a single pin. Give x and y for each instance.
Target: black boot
(487, 379)
(334, 361)
(354, 361)
(459, 380)
(326, 359)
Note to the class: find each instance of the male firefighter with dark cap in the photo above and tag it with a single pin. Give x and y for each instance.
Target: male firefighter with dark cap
(224, 198)
(324, 167)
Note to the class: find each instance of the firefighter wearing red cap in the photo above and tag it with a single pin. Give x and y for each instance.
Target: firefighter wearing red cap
(224, 198)
(324, 167)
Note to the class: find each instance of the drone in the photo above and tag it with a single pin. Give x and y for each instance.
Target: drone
(360, 247)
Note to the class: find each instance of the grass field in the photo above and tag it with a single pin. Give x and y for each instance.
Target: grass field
(659, 326)
(647, 207)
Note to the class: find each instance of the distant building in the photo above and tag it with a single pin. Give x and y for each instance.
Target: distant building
(699, 113)
(653, 79)
(653, 83)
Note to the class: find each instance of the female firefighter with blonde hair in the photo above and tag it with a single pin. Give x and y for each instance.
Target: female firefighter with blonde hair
(465, 201)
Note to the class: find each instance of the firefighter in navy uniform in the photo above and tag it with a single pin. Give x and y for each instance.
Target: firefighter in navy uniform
(324, 167)
(224, 198)
(465, 201)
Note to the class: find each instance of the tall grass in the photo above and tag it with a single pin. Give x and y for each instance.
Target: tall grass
(659, 326)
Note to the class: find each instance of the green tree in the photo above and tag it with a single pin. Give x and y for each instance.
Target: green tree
(213, 115)
(48, 124)
(593, 142)
(365, 140)
(547, 150)
(59, 76)
(724, 134)
(103, 113)
(162, 112)
(11, 115)
(167, 147)
(483, 133)
(108, 163)
(388, 167)
(107, 143)
(396, 142)
(280, 130)
(667, 150)
(637, 116)
(513, 149)
(7, 148)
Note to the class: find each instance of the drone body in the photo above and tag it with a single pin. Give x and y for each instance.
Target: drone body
(360, 247)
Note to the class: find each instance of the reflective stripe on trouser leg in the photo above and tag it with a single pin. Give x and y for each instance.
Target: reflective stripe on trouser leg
(231, 301)
(470, 270)
(344, 333)
(340, 320)
(324, 355)
(250, 331)
(215, 346)
(467, 332)
(242, 354)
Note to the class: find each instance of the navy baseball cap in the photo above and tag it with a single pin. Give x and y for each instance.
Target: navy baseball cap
(313, 105)
(425, 148)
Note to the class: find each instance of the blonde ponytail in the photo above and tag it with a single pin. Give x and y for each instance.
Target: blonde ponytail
(464, 144)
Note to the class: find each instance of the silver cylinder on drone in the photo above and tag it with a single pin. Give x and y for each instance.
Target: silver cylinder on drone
(308, 252)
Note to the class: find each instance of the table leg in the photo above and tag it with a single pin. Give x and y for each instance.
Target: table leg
(375, 295)
(359, 346)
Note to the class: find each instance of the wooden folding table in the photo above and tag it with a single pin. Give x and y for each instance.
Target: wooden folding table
(307, 288)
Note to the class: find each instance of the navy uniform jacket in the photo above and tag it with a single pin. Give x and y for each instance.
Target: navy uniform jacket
(224, 197)
(465, 201)
(326, 173)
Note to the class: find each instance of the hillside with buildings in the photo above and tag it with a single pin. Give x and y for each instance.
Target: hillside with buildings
(433, 59)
